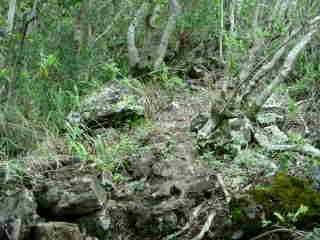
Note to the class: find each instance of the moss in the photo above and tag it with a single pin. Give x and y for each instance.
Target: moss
(285, 194)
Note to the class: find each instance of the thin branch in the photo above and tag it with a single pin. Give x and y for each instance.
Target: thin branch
(108, 28)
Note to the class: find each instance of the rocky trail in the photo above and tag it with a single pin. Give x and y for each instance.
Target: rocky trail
(168, 190)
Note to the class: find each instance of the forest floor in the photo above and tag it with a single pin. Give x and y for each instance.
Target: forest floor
(162, 185)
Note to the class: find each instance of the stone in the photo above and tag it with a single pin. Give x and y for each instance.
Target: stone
(112, 105)
(270, 136)
(17, 212)
(277, 102)
(56, 231)
(241, 131)
(97, 224)
(81, 196)
(198, 121)
(254, 160)
(142, 166)
(269, 118)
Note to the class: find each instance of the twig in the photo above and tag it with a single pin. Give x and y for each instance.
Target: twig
(206, 226)
(223, 186)
(276, 231)
(194, 215)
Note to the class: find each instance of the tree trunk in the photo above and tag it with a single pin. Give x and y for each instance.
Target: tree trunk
(11, 15)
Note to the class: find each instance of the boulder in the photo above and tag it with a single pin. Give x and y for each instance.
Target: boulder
(112, 105)
(97, 224)
(17, 213)
(79, 197)
(56, 231)
(269, 118)
(256, 162)
(270, 136)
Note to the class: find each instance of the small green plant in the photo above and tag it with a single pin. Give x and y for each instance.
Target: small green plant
(291, 217)
(284, 159)
(296, 138)
(47, 63)
(73, 140)
(113, 157)
(110, 70)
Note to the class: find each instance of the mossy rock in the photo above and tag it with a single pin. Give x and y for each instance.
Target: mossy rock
(283, 195)
(286, 194)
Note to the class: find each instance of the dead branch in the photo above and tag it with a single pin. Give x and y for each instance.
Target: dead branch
(306, 149)
(206, 226)
(223, 186)
(187, 226)
(279, 230)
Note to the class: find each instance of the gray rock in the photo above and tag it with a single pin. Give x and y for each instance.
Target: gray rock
(198, 122)
(270, 136)
(269, 118)
(241, 131)
(277, 102)
(142, 166)
(56, 231)
(97, 224)
(79, 197)
(112, 105)
(254, 160)
(17, 213)
(315, 177)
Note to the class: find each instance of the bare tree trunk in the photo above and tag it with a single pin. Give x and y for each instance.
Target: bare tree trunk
(221, 30)
(134, 57)
(174, 10)
(11, 15)
(82, 26)
(133, 53)
(232, 17)
(287, 65)
(149, 31)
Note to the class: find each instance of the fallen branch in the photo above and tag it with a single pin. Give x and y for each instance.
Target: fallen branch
(224, 189)
(276, 231)
(206, 226)
(194, 215)
(306, 149)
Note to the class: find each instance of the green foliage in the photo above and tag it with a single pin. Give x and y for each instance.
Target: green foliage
(114, 157)
(292, 217)
(74, 142)
(284, 159)
(17, 133)
(289, 198)
(110, 70)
